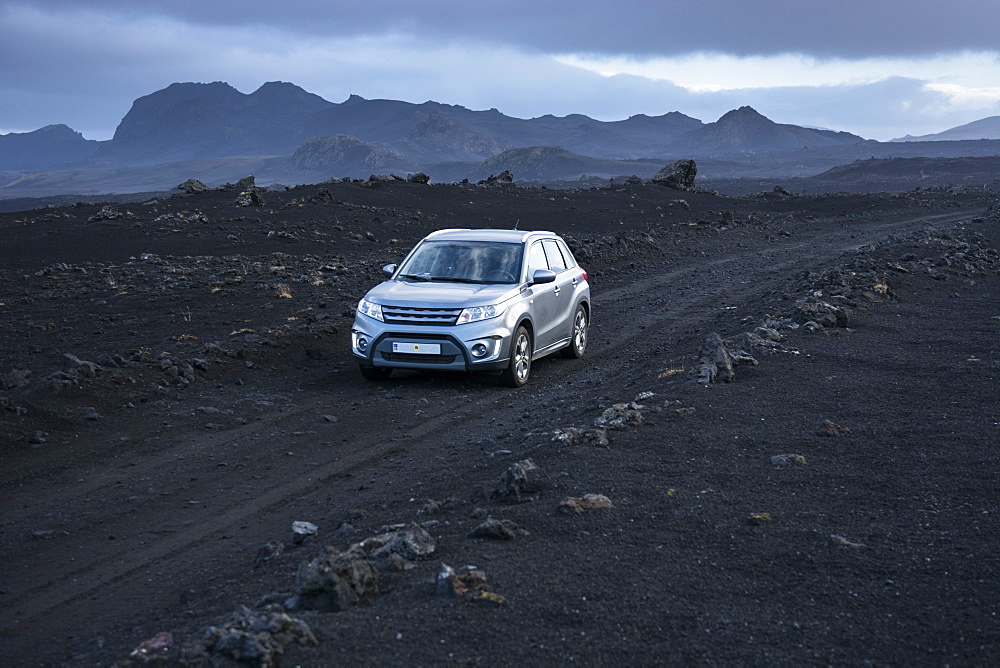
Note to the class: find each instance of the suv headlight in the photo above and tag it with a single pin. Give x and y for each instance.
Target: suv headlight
(371, 310)
(477, 313)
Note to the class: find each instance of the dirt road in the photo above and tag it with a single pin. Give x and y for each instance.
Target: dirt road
(145, 513)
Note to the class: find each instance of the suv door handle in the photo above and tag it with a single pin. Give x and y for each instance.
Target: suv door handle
(555, 290)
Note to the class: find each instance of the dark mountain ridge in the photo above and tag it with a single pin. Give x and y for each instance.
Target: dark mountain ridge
(984, 128)
(217, 131)
(50, 147)
(191, 121)
(744, 129)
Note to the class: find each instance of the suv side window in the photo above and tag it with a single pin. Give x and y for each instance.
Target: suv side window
(552, 252)
(536, 259)
(570, 260)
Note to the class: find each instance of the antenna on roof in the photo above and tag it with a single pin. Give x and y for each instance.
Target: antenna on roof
(517, 223)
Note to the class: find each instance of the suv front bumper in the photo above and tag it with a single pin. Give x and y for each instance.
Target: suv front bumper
(478, 346)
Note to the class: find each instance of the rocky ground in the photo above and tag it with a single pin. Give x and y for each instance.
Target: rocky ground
(194, 471)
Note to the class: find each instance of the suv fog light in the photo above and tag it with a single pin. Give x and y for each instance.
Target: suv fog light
(479, 350)
(362, 344)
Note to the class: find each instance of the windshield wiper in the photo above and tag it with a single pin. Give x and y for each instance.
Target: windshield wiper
(416, 277)
(454, 279)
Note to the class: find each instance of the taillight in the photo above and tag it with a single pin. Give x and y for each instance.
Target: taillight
(585, 277)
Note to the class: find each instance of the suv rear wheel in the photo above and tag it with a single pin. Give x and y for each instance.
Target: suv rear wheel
(519, 366)
(578, 339)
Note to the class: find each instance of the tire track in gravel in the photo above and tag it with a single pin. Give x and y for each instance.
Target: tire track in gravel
(101, 569)
(761, 272)
(715, 283)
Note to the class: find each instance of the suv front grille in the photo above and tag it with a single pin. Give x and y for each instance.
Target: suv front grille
(414, 357)
(407, 315)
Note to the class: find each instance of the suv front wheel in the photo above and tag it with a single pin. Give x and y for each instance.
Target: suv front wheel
(519, 366)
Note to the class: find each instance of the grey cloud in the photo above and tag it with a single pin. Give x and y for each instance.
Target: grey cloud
(58, 74)
(821, 28)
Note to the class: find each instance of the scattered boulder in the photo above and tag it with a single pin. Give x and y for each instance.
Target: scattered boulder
(335, 581)
(255, 638)
(419, 177)
(763, 339)
(822, 314)
(107, 212)
(407, 541)
(159, 648)
(498, 530)
(249, 198)
(573, 504)
(304, 533)
(270, 550)
(468, 582)
(514, 481)
(597, 436)
(620, 416)
(452, 582)
(717, 361)
(781, 461)
(192, 186)
(323, 196)
(75, 366)
(829, 428)
(384, 178)
(678, 175)
(501, 179)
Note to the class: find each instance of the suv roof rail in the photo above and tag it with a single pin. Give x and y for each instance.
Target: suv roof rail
(450, 229)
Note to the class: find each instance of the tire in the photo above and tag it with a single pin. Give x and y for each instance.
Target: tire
(578, 339)
(374, 372)
(519, 366)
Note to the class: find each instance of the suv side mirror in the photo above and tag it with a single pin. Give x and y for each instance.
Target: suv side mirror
(543, 276)
(389, 270)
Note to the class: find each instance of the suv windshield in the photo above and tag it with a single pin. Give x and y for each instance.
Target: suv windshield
(464, 262)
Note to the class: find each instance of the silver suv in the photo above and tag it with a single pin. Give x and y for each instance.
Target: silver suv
(475, 300)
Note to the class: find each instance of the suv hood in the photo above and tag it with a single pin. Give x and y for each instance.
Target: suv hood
(439, 294)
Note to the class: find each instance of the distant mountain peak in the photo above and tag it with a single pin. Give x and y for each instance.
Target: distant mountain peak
(743, 115)
(268, 85)
(196, 86)
(48, 147)
(58, 130)
(745, 129)
(294, 98)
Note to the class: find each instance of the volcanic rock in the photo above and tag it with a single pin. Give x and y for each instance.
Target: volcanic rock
(498, 530)
(336, 581)
(514, 481)
(717, 361)
(192, 186)
(678, 175)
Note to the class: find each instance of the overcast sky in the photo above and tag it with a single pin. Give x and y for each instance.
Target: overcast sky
(877, 68)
